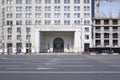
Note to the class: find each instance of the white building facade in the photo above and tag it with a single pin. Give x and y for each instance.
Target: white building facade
(46, 25)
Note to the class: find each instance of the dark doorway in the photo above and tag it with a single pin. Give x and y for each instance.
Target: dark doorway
(28, 48)
(9, 48)
(19, 47)
(58, 45)
(86, 47)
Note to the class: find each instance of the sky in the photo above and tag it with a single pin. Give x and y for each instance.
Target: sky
(110, 8)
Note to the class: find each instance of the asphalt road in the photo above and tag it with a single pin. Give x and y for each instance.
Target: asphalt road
(59, 67)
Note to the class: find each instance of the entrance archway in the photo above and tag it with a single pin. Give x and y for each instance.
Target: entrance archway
(58, 45)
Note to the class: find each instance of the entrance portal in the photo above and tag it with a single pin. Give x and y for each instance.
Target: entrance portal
(58, 45)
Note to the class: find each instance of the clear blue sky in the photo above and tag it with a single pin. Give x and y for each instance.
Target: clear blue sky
(110, 8)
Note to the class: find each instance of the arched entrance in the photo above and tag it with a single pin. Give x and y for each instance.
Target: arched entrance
(58, 45)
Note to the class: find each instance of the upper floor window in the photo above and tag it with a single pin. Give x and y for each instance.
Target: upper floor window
(76, 1)
(66, 15)
(28, 8)
(9, 15)
(47, 15)
(18, 15)
(47, 22)
(47, 1)
(37, 8)
(38, 15)
(18, 1)
(56, 22)
(19, 8)
(76, 15)
(87, 1)
(66, 22)
(9, 8)
(76, 22)
(37, 1)
(9, 22)
(86, 8)
(57, 1)
(28, 15)
(86, 22)
(28, 1)
(66, 8)
(57, 15)
(66, 1)
(76, 8)
(57, 8)
(19, 29)
(28, 22)
(47, 8)
(37, 22)
(9, 1)
(86, 29)
(19, 22)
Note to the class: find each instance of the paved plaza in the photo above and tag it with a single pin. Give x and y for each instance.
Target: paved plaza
(59, 67)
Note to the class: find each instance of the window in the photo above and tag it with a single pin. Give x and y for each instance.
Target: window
(19, 37)
(56, 15)
(9, 8)
(9, 15)
(47, 15)
(9, 37)
(28, 30)
(37, 15)
(37, 8)
(76, 15)
(9, 22)
(37, 22)
(9, 30)
(86, 36)
(28, 15)
(86, 8)
(57, 8)
(37, 1)
(18, 1)
(28, 8)
(86, 22)
(66, 22)
(47, 8)
(28, 22)
(47, 1)
(19, 29)
(76, 22)
(76, 8)
(86, 29)
(19, 8)
(86, 15)
(28, 1)
(66, 8)
(9, 1)
(19, 22)
(57, 1)
(87, 1)
(76, 1)
(66, 15)
(19, 15)
(28, 37)
(57, 22)
(66, 1)
(47, 22)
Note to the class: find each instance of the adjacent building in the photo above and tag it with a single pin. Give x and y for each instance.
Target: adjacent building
(106, 35)
(46, 25)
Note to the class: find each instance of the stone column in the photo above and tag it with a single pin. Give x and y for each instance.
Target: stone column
(76, 41)
(37, 41)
